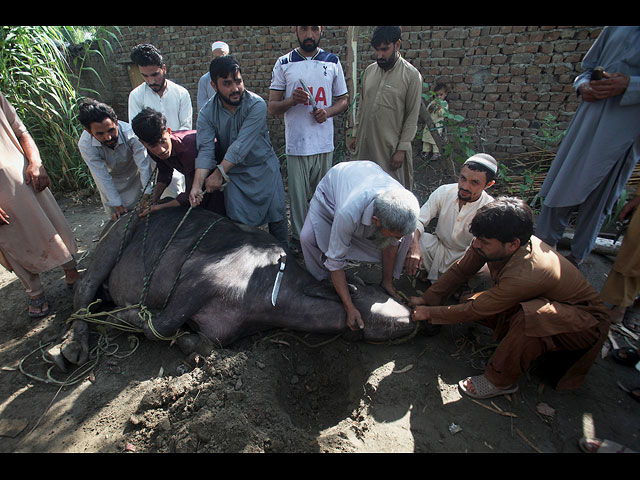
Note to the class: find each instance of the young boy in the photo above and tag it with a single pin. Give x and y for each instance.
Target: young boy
(436, 109)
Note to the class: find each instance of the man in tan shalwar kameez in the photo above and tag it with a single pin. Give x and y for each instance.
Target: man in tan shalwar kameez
(390, 98)
(622, 286)
(34, 234)
(539, 303)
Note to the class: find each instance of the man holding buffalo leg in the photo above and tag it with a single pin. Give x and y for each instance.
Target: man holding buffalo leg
(539, 303)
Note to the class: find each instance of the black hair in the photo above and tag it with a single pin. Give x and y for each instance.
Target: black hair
(149, 125)
(146, 54)
(479, 167)
(223, 67)
(90, 111)
(505, 219)
(385, 34)
(441, 86)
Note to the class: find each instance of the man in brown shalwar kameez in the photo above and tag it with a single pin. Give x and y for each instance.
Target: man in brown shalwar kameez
(390, 99)
(623, 282)
(34, 234)
(539, 303)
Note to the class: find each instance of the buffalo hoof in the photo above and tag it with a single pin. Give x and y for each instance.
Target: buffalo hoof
(195, 343)
(75, 343)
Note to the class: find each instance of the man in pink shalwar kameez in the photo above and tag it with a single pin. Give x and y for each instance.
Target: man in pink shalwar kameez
(34, 234)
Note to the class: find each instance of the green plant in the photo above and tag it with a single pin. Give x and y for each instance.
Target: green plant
(37, 78)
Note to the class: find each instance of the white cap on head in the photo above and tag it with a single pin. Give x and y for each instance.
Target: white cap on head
(484, 159)
(220, 45)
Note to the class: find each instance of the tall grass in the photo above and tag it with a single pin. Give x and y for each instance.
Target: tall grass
(41, 79)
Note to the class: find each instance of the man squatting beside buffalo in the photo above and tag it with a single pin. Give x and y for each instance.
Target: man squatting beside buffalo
(360, 213)
(171, 150)
(236, 119)
(117, 160)
(540, 302)
(454, 205)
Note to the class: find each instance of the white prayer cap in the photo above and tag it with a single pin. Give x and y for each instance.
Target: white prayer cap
(484, 159)
(220, 45)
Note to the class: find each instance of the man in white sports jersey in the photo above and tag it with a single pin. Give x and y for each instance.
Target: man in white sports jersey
(308, 87)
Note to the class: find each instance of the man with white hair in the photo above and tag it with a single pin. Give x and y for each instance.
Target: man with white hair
(205, 89)
(454, 205)
(358, 212)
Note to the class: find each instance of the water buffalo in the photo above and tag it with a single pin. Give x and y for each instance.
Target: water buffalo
(218, 278)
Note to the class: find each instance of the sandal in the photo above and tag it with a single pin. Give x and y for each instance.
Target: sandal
(38, 303)
(625, 356)
(595, 445)
(484, 388)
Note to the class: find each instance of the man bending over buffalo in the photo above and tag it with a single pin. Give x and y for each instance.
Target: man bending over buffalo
(358, 212)
(539, 303)
(171, 151)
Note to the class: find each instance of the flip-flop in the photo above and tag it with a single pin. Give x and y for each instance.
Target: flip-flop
(38, 302)
(625, 356)
(596, 445)
(484, 388)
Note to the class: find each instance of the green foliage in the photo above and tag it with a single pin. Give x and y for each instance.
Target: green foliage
(550, 133)
(37, 77)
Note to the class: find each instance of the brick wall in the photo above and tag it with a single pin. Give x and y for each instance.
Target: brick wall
(504, 79)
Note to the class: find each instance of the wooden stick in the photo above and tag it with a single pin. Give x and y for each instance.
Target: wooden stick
(527, 441)
(499, 412)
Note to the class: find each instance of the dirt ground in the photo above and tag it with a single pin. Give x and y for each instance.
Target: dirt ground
(285, 392)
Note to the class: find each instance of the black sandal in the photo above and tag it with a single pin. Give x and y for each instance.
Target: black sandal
(38, 303)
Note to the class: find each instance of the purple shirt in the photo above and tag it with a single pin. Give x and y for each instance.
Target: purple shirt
(183, 154)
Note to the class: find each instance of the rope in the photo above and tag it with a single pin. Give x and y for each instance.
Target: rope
(144, 313)
(147, 281)
(175, 283)
(101, 348)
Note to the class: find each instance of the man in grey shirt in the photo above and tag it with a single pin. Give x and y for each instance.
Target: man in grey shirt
(597, 156)
(118, 162)
(235, 121)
